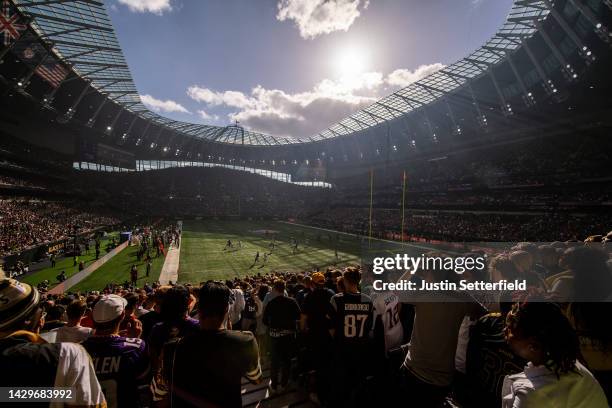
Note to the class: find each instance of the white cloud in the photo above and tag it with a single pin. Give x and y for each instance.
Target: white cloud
(206, 116)
(317, 17)
(159, 105)
(147, 6)
(404, 77)
(277, 112)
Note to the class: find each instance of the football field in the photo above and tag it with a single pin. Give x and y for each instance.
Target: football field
(204, 254)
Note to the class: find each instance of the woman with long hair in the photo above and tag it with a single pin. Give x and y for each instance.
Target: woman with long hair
(553, 377)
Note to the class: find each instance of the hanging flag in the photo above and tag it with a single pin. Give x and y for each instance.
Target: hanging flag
(12, 24)
(41, 59)
(52, 72)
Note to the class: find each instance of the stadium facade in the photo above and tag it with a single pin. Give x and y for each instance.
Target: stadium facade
(64, 76)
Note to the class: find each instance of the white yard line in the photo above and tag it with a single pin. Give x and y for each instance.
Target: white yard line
(78, 277)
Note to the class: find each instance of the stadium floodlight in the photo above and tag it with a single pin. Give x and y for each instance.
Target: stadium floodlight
(507, 110)
(482, 121)
(66, 117)
(550, 88)
(602, 32)
(569, 73)
(47, 101)
(587, 55)
(529, 99)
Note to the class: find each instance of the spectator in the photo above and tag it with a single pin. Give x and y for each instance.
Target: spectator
(281, 316)
(429, 365)
(540, 334)
(32, 361)
(238, 304)
(130, 326)
(252, 309)
(221, 356)
(489, 359)
(150, 319)
(73, 331)
(55, 318)
(316, 322)
(121, 363)
(175, 321)
(352, 323)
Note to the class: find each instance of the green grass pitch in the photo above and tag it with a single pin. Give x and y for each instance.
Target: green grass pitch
(66, 264)
(203, 256)
(117, 270)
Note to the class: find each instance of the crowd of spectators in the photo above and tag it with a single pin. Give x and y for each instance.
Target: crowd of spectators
(28, 223)
(461, 225)
(190, 192)
(330, 333)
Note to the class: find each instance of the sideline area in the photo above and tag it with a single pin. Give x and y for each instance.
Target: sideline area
(169, 272)
(78, 277)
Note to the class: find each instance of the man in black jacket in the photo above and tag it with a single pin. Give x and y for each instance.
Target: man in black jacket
(281, 316)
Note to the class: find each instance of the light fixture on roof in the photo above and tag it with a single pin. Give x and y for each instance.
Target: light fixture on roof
(569, 73)
(529, 99)
(602, 32)
(66, 117)
(587, 55)
(482, 121)
(165, 149)
(550, 88)
(395, 148)
(47, 101)
(507, 110)
(153, 145)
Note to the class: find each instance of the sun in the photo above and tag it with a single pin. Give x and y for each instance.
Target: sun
(350, 62)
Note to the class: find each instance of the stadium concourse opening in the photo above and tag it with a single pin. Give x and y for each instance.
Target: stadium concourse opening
(224, 233)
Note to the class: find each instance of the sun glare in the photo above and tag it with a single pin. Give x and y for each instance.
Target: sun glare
(350, 62)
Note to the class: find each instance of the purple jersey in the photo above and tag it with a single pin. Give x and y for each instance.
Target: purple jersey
(120, 364)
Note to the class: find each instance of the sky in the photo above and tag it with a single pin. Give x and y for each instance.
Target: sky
(290, 67)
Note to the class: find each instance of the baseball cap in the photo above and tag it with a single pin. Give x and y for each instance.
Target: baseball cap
(19, 299)
(108, 308)
(318, 278)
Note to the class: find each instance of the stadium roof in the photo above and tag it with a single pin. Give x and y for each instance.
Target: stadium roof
(82, 35)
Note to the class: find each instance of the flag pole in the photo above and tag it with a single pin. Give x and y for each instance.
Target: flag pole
(371, 199)
(403, 202)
